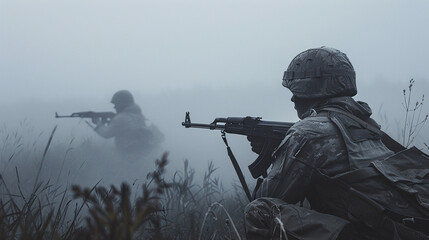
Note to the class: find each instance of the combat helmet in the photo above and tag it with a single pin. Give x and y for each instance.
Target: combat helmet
(122, 98)
(320, 73)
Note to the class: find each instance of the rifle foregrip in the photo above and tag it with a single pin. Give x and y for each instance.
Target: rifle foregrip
(262, 163)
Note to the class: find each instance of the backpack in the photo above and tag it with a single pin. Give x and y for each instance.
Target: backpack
(390, 197)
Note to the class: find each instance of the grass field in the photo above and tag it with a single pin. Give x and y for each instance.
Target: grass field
(41, 200)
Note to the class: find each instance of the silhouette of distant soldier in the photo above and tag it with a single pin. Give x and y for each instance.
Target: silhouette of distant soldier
(128, 127)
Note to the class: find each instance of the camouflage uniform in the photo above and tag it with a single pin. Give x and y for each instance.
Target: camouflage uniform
(336, 159)
(318, 142)
(128, 128)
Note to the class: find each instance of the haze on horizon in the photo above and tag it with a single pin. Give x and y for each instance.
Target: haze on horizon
(212, 58)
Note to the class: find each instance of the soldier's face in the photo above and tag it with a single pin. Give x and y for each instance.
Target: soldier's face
(302, 106)
(118, 108)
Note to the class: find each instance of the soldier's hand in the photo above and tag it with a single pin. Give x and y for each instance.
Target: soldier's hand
(257, 143)
(96, 120)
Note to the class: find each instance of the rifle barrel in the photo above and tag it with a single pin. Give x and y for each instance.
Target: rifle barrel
(202, 125)
(62, 116)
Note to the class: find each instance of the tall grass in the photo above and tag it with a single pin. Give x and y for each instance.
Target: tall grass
(175, 207)
(40, 213)
(414, 120)
(187, 205)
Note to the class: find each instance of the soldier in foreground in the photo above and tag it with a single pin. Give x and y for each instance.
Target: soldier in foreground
(128, 126)
(322, 155)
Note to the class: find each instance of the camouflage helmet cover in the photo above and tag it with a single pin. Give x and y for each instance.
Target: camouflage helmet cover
(122, 98)
(320, 73)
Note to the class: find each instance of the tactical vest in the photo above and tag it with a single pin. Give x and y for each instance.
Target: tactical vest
(387, 195)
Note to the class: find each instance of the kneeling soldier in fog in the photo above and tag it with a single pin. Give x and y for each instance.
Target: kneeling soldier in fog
(128, 126)
(335, 137)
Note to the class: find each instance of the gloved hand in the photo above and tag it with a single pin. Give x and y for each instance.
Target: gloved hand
(96, 120)
(257, 143)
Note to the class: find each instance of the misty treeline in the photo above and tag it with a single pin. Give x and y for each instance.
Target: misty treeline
(81, 189)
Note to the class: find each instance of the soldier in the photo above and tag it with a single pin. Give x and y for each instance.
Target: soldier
(128, 126)
(335, 136)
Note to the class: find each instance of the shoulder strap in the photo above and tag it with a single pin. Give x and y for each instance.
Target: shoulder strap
(360, 121)
(392, 144)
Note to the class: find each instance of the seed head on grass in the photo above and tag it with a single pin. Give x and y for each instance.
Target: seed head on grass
(113, 215)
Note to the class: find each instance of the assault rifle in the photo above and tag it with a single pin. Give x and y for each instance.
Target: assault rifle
(105, 117)
(272, 132)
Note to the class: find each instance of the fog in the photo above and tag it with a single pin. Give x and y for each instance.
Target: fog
(212, 58)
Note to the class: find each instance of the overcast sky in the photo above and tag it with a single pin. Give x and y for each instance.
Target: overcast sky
(213, 58)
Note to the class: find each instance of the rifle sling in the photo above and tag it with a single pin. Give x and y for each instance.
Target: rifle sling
(237, 168)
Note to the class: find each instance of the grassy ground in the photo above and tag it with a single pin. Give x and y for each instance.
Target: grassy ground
(39, 200)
